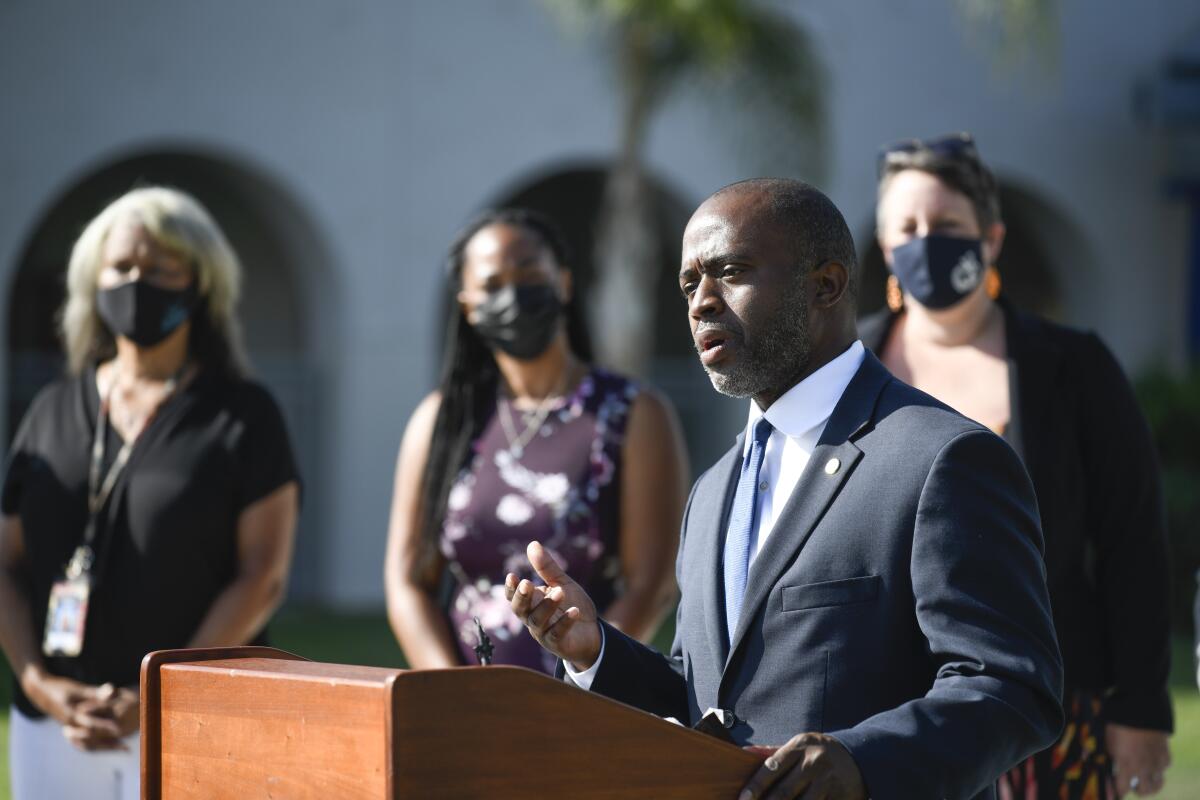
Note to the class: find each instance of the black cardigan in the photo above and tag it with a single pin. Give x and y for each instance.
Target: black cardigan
(1079, 430)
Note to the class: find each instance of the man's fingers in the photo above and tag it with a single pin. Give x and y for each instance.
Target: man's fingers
(816, 791)
(773, 770)
(791, 789)
(529, 603)
(546, 612)
(767, 776)
(559, 628)
(760, 750)
(544, 564)
(523, 599)
(796, 781)
(510, 586)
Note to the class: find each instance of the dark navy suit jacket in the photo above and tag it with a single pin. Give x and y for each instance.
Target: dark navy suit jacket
(898, 604)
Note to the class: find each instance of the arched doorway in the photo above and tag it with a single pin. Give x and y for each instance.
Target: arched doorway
(572, 195)
(1027, 262)
(283, 267)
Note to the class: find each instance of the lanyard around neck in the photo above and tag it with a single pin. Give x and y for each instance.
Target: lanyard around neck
(100, 490)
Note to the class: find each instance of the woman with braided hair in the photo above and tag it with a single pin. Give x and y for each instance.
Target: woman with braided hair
(524, 439)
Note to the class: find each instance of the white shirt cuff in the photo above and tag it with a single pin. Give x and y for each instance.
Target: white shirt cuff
(584, 679)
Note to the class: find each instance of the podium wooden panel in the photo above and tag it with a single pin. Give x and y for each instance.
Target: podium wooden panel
(253, 722)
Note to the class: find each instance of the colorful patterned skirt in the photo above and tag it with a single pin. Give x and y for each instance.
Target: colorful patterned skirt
(1076, 767)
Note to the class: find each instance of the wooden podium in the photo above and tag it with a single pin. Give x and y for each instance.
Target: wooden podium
(254, 722)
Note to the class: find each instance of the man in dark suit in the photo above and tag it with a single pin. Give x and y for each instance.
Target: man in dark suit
(861, 573)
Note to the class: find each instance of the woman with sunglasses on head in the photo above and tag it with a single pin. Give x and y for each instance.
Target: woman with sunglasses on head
(1061, 400)
(523, 440)
(150, 500)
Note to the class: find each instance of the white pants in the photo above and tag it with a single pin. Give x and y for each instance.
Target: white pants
(45, 766)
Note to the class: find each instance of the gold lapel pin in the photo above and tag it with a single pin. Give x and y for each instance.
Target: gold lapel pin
(832, 466)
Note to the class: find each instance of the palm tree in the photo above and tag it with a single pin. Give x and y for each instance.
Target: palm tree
(763, 66)
(736, 48)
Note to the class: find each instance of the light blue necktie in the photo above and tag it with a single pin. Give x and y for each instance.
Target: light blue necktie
(740, 534)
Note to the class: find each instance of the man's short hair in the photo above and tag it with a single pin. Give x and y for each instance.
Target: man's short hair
(816, 228)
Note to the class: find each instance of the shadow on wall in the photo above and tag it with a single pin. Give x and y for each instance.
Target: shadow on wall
(284, 266)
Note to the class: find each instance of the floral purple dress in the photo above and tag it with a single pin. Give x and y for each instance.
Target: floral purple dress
(562, 488)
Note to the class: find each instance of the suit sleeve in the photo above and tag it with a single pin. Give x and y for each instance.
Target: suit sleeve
(980, 597)
(1125, 518)
(640, 676)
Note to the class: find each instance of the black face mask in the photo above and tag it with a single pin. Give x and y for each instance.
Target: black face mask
(938, 271)
(142, 313)
(520, 320)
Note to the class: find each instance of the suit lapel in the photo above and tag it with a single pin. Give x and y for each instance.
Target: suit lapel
(711, 513)
(814, 493)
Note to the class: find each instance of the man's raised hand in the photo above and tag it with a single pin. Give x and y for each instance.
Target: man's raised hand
(559, 615)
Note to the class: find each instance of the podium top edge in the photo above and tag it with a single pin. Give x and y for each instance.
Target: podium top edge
(299, 670)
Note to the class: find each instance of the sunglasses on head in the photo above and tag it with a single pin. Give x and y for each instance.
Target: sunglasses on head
(958, 146)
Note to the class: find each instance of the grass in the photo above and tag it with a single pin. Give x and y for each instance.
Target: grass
(366, 639)
(1183, 778)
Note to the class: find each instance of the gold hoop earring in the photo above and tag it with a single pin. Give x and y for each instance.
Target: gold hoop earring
(991, 282)
(895, 297)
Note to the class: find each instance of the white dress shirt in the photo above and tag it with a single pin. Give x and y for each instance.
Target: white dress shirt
(798, 419)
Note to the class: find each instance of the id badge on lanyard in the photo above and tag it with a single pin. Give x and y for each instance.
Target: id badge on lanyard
(66, 614)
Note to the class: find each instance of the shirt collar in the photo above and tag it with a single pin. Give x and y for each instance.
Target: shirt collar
(811, 401)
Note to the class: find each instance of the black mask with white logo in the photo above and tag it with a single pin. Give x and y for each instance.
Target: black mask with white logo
(938, 271)
(143, 313)
(520, 320)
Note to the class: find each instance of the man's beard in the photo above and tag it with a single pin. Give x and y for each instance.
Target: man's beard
(772, 359)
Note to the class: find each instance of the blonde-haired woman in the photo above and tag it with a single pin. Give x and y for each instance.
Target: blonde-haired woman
(150, 500)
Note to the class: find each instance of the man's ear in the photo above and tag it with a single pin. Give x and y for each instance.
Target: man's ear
(831, 282)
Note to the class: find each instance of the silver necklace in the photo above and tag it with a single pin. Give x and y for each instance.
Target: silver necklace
(533, 422)
(134, 421)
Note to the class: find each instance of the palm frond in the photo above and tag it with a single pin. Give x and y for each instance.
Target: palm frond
(1015, 30)
(756, 69)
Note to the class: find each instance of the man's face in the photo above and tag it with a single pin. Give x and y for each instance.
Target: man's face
(746, 295)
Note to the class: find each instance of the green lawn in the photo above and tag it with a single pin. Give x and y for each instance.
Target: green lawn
(366, 639)
(1183, 778)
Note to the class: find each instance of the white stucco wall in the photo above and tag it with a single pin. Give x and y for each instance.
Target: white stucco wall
(389, 123)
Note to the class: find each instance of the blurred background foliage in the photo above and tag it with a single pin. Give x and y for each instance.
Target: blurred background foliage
(1171, 402)
(760, 77)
